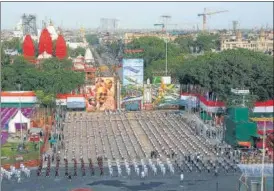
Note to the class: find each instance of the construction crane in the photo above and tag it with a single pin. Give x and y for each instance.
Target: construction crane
(205, 14)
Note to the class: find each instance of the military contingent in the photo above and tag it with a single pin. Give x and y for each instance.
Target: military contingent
(113, 139)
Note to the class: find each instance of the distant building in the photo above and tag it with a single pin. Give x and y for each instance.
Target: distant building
(79, 64)
(128, 37)
(17, 34)
(11, 52)
(74, 45)
(262, 44)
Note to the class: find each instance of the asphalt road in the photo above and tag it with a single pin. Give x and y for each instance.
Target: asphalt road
(193, 182)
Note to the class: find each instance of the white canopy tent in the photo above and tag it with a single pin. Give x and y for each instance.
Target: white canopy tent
(18, 118)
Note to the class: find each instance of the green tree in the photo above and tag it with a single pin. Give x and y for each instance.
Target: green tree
(76, 52)
(174, 64)
(115, 47)
(186, 44)
(53, 77)
(5, 59)
(58, 77)
(92, 39)
(154, 49)
(206, 42)
(219, 72)
(14, 43)
(55, 63)
(45, 99)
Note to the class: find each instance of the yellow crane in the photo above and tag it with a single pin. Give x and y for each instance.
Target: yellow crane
(205, 14)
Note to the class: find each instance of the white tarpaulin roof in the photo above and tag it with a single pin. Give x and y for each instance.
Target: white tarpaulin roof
(18, 118)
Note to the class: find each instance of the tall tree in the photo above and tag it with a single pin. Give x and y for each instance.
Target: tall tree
(14, 43)
(154, 49)
(206, 42)
(186, 44)
(219, 72)
(5, 59)
(76, 52)
(53, 77)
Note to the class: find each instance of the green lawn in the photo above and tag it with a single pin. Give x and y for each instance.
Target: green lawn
(10, 150)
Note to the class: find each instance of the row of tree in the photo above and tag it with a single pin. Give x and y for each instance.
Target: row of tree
(219, 72)
(53, 76)
(92, 39)
(216, 72)
(202, 43)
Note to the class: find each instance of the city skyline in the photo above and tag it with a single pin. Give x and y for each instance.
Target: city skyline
(139, 15)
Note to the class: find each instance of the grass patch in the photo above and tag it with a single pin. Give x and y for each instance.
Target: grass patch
(9, 150)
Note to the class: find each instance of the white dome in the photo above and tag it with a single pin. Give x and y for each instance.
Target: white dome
(88, 56)
(44, 55)
(52, 32)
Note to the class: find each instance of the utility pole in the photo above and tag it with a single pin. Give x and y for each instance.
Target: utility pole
(166, 18)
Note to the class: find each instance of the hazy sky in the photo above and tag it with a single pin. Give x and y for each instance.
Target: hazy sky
(139, 14)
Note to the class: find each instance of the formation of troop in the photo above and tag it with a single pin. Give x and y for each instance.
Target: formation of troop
(14, 173)
(134, 144)
(115, 139)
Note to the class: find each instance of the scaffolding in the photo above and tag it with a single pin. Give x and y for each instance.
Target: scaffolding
(108, 25)
(29, 25)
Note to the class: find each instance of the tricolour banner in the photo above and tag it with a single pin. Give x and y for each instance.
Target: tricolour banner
(264, 107)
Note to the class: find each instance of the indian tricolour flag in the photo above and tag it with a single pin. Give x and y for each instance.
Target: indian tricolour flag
(211, 106)
(187, 96)
(264, 109)
(189, 100)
